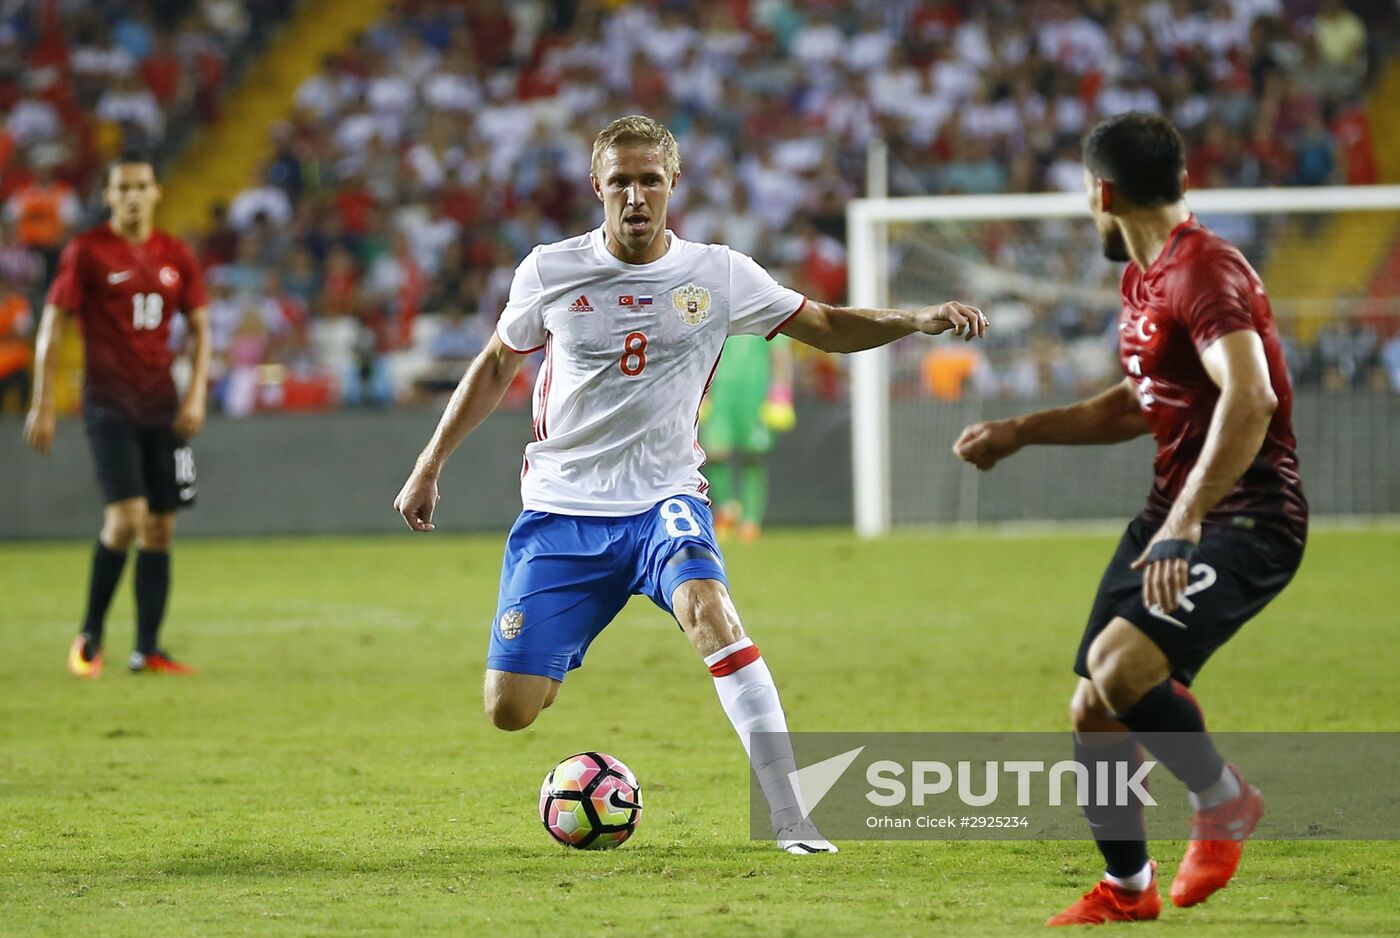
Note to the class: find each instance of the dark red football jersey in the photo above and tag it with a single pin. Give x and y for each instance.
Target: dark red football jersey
(1197, 291)
(124, 295)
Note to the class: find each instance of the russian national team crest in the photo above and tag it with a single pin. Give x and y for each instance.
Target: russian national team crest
(692, 302)
(511, 623)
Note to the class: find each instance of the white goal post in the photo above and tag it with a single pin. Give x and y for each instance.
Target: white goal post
(869, 223)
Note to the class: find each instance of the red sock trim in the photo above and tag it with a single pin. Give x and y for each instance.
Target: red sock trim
(731, 663)
(1184, 692)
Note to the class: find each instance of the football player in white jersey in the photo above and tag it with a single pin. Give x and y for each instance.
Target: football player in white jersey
(632, 320)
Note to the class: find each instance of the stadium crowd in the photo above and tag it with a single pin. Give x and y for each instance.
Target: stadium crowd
(370, 259)
(84, 80)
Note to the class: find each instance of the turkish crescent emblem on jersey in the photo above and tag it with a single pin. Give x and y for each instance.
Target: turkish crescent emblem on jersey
(169, 276)
(511, 623)
(1146, 329)
(692, 302)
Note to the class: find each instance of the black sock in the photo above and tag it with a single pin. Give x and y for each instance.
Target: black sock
(106, 573)
(1118, 829)
(1169, 722)
(152, 589)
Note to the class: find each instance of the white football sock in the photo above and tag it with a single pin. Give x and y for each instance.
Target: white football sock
(750, 700)
(1225, 789)
(1137, 882)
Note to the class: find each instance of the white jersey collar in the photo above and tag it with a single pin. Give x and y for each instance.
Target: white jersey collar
(600, 248)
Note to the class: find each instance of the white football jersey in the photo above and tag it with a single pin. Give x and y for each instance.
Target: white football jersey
(629, 352)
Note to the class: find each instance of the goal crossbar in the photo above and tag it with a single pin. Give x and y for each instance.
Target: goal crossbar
(867, 222)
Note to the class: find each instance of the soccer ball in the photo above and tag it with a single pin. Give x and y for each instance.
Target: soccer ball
(590, 801)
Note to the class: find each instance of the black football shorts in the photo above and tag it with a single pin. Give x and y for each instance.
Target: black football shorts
(135, 461)
(1236, 571)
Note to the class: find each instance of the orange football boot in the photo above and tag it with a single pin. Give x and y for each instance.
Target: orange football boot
(78, 664)
(1108, 903)
(749, 532)
(725, 523)
(157, 662)
(1217, 841)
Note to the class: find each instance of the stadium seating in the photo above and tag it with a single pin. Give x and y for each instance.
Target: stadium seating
(427, 156)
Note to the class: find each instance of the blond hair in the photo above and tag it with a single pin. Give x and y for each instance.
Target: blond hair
(636, 128)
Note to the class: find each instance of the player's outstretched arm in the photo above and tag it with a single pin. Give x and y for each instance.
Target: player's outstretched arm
(1110, 417)
(1237, 364)
(41, 423)
(854, 329)
(477, 394)
(190, 418)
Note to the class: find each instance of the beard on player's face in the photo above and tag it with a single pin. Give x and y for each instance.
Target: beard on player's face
(1115, 246)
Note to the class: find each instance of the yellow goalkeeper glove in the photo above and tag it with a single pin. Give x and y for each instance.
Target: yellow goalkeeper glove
(777, 413)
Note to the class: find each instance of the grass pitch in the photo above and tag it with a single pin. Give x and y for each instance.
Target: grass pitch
(330, 773)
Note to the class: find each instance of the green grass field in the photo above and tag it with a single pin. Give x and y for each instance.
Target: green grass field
(330, 772)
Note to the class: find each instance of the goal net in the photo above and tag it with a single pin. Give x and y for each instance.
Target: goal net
(1330, 258)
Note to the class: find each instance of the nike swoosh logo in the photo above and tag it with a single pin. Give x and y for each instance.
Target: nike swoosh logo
(1162, 614)
(119, 277)
(615, 801)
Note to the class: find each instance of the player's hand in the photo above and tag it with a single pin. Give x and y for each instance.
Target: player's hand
(987, 443)
(961, 319)
(189, 421)
(1164, 581)
(39, 429)
(416, 501)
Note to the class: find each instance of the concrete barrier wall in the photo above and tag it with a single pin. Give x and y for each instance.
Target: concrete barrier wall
(338, 473)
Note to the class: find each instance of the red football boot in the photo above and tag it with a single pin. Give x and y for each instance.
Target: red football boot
(1217, 841)
(1108, 903)
(157, 662)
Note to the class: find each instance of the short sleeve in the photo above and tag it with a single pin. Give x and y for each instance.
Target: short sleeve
(194, 295)
(521, 326)
(758, 304)
(66, 291)
(1215, 297)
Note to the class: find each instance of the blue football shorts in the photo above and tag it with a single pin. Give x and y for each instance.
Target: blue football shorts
(565, 577)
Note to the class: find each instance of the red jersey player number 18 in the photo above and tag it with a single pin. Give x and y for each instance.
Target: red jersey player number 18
(125, 280)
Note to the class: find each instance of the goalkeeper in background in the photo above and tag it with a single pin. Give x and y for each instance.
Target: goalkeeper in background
(749, 399)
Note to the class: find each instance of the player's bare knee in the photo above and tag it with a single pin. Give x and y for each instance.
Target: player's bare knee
(510, 716)
(122, 522)
(1088, 713)
(1124, 664)
(1115, 681)
(157, 532)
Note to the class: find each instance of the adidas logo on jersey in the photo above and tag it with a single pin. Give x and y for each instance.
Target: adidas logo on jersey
(581, 305)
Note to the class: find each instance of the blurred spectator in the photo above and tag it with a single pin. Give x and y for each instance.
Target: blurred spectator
(455, 343)
(127, 102)
(220, 242)
(21, 267)
(1352, 130)
(43, 212)
(268, 201)
(1316, 159)
(1341, 38)
(367, 382)
(16, 324)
